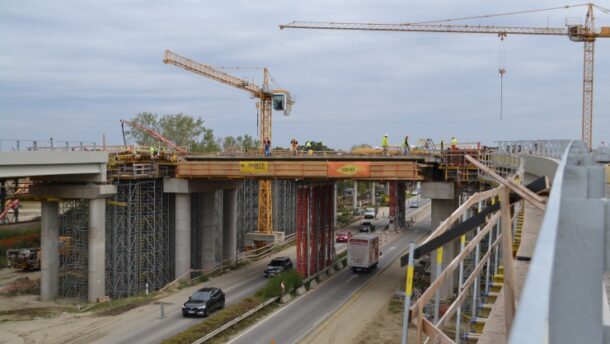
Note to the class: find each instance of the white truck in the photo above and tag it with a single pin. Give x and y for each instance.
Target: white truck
(363, 252)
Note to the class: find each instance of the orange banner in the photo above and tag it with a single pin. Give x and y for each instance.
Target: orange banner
(349, 169)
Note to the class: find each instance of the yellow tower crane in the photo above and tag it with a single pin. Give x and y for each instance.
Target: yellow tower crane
(268, 99)
(586, 33)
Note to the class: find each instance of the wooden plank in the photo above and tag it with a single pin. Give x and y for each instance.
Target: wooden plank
(435, 333)
(453, 265)
(507, 259)
(522, 191)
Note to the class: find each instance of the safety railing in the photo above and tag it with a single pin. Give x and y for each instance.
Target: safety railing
(562, 298)
(46, 145)
(549, 148)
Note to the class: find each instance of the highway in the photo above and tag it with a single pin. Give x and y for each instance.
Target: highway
(296, 319)
(144, 325)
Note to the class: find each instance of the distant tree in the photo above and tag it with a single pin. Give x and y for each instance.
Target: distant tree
(184, 130)
(316, 146)
(244, 143)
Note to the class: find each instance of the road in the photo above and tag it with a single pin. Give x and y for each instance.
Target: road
(295, 320)
(144, 325)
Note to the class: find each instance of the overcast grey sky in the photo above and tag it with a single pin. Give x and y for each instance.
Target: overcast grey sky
(72, 69)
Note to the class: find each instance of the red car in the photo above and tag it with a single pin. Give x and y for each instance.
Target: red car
(344, 236)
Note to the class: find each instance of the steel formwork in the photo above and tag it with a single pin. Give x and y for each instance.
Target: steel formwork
(315, 227)
(284, 206)
(247, 210)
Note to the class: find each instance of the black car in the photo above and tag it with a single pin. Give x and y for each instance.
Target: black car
(367, 227)
(277, 265)
(204, 302)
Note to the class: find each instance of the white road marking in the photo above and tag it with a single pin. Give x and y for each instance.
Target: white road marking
(351, 278)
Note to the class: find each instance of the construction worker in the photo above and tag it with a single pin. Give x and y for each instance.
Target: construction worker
(453, 143)
(267, 143)
(384, 144)
(152, 152)
(308, 147)
(406, 149)
(294, 144)
(442, 145)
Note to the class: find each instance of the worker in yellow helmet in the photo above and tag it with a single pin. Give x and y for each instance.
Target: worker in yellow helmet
(384, 144)
(453, 143)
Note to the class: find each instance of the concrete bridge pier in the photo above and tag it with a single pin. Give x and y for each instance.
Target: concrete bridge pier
(444, 201)
(97, 249)
(208, 247)
(355, 194)
(182, 241)
(184, 188)
(49, 238)
(96, 194)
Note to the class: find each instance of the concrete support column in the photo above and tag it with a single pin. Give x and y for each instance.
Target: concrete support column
(97, 248)
(440, 210)
(355, 194)
(208, 249)
(182, 249)
(229, 223)
(373, 198)
(49, 238)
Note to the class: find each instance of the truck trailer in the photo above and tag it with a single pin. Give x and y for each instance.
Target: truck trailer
(363, 252)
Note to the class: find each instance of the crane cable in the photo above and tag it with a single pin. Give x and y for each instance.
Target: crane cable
(496, 14)
(501, 70)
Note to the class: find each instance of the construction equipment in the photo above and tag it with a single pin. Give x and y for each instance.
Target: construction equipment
(586, 33)
(154, 134)
(30, 258)
(277, 99)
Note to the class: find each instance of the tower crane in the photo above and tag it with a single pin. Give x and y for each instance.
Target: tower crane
(586, 33)
(277, 99)
(154, 134)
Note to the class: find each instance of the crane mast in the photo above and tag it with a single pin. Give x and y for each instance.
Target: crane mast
(576, 33)
(264, 106)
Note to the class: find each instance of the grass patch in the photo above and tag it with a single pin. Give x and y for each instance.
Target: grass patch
(341, 255)
(396, 305)
(215, 321)
(119, 306)
(291, 278)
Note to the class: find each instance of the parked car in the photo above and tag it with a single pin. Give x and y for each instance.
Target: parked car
(370, 213)
(344, 236)
(277, 265)
(203, 302)
(358, 212)
(367, 227)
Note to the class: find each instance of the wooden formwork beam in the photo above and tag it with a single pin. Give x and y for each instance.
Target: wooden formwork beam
(522, 191)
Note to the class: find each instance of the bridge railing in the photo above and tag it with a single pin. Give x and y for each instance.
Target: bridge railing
(562, 300)
(549, 148)
(46, 145)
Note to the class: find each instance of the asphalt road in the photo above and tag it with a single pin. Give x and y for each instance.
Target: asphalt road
(295, 320)
(148, 327)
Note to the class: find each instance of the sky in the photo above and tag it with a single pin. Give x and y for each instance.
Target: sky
(71, 70)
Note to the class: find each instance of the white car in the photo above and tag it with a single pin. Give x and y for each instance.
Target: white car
(369, 213)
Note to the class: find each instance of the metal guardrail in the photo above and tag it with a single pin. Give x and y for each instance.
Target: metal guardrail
(549, 148)
(46, 145)
(562, 297)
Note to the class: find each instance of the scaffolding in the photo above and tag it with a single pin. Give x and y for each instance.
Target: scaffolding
(284, 206)
(73, 269)
(247, 211)
(139, 238)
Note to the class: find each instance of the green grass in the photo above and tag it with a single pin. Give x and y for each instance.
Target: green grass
(119, 306)
(396, 305)
(291, 278)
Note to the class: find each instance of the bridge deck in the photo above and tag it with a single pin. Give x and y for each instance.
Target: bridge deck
(302, 167)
